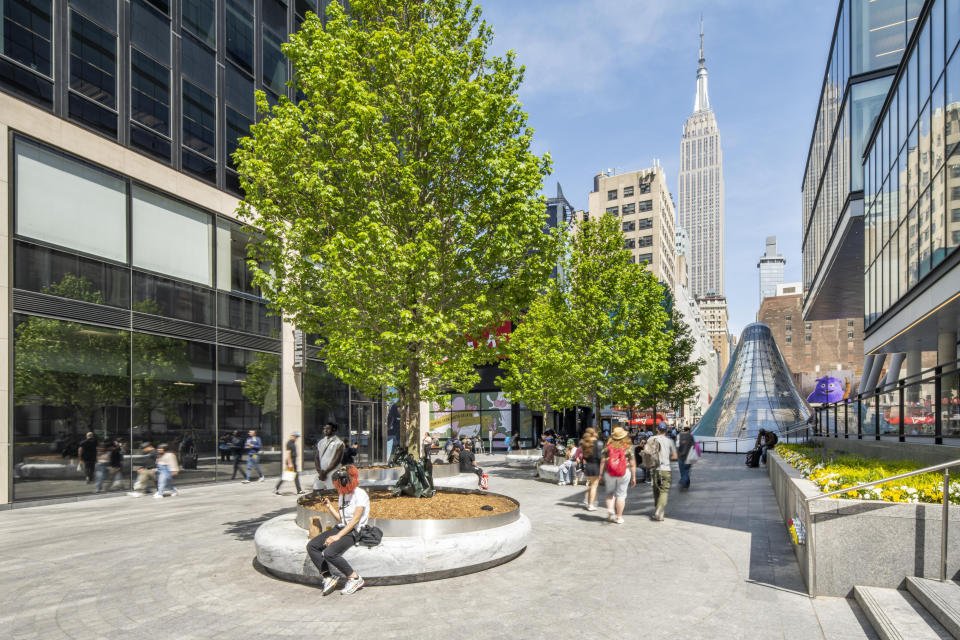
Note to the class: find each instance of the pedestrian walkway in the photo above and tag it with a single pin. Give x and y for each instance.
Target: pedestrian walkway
(719, 566)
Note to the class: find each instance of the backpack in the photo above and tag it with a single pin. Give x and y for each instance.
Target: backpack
(617, 462)
(651, 453)
(775, 440)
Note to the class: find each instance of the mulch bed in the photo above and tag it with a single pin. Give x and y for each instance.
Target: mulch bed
(442, 506)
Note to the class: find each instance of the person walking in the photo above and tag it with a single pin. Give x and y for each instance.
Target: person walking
(252, 447)
(619, 472)
(290, 464)
(590, 451)
(661, 450)
(326, 459)
(104, 451)
(87, 452)
(684, 445)
(147, 472)
(236, 448)
(167, 468)
(352, 513)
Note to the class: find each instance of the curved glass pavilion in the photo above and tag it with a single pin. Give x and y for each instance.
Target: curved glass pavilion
(756, 393)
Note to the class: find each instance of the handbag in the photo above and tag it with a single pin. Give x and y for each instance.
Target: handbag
(289, 474)
(693, 455)
(370, 536)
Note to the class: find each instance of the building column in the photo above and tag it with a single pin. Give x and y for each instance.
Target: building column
(893, 371)
(946, 357)
(291, 415)
(914, 364)
(865, 375)
(875, 371)
(6, 271)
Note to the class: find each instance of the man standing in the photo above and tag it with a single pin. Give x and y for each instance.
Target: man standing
(290, 464)
(328, 457)
(236, 448)
(684, 444)
(663, 451)
(252, 447)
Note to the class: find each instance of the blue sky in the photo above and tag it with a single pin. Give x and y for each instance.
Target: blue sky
(609, 84)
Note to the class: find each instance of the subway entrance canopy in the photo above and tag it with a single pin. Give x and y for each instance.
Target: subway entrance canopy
(756, 393)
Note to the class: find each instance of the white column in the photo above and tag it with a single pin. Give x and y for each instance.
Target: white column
(914, 364)
(291, 419)
(6, 271)
(947, 349)
(875, 371)
(865, 376)
(893, 371)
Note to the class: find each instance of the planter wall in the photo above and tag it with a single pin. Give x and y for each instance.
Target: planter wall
(862, 542)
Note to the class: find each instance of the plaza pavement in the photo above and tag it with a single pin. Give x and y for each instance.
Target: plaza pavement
(720, 566)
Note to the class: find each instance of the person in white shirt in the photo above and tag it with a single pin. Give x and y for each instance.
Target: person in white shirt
(666, 449)
(327, 458)
(327, 549)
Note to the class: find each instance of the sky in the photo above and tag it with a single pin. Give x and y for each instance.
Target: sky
(609, 84)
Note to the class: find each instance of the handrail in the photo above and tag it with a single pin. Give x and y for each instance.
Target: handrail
(945, 514)
(783, 433)
(873, 483)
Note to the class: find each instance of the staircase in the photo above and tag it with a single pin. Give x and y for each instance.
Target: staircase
(926, 609)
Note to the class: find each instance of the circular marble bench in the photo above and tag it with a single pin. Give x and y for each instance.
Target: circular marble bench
(524, 458)
(411, 550)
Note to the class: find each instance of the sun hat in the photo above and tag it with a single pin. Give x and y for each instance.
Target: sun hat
(619, 433)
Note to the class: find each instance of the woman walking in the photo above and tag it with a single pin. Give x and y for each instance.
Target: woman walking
(167, 468)
(619, 472)
(592, 456)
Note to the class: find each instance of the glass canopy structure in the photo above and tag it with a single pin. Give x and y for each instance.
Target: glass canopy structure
(756, 393)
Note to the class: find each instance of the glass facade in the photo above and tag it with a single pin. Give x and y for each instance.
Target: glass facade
(912, 167)
(868, 38)
(172, 80)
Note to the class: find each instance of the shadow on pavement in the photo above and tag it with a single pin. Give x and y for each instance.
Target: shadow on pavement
(245, 529)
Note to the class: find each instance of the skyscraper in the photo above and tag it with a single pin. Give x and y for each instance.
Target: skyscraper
(771, 269)
(701, 190)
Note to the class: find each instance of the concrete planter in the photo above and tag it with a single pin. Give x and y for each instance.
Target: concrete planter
(861, 542)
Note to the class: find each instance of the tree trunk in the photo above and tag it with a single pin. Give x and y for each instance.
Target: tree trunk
(410, 398)
(596, 416)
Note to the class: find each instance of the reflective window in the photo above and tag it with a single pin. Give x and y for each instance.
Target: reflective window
(325, 399)
(274, 13)
(199, 120)
(952, 11)
(167, 297)
(249, 398)
(233, 273)
(149, 92)
(93, 61)
(27, 33)
(867, 101)
(92, 115)
(102, 11)
(239, 23)
(237, 127)
(199, 166)
(172, 238)
(274, 64)
(245, 314)
(879, 33)
(150, 143)
(239, 88)
(69, 275)
(198, 63)
(199, 17)
(86, 212)
(149, 31)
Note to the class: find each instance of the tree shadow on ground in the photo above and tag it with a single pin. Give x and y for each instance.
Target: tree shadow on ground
(245, 529)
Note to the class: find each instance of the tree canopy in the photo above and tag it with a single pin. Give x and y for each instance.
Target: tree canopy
(597, 335)
(397, 199)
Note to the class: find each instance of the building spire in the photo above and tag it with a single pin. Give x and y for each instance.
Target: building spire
(702, 102)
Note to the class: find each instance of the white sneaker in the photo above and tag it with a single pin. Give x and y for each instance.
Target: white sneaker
(134, 494)
(174, 493)
(329, 584)
(261, 479)
(618, 521)
(352, 586)
(590, 507)
(158, 495)
(244, 482)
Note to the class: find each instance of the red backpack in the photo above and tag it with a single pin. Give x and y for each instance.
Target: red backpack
(617, 462)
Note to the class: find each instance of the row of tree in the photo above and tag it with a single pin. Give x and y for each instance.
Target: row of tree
(399, 210)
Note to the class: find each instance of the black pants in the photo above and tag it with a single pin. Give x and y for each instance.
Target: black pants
(296, 481)
(88, 468)
(236, 464)
(477, 470)
(331, 556)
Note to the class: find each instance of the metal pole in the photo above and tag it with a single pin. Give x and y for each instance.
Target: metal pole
(876, 415)
(835, 411)
(937, 418)
(945, 527)
(859, 417)
(900, 431)
(846, 420)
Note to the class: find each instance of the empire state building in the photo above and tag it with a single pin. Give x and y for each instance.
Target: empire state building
(701, 191)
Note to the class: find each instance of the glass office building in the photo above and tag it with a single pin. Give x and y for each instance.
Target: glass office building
(128, 308)
(912, 196)
(868, 41)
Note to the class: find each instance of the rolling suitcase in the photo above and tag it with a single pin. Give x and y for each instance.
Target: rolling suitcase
(753, 458)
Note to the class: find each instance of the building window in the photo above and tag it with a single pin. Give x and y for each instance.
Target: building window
(628, 192)
(239, 27)
(789, 339)
(27, 33)
(199, 120)
(629, 209)
(171, 238)
(630, 244)
(645, 257)
(149, 31)
(789, 327)
(645, 241)
(788, 317)
(149, 92)
(849, 335)
(199, 17)
(645, 205)
(807, 325)
(612, 194)
(274, 63)
(233, 272)
(93, 61)
(645, 223)
(807, 337)
(630, 226)
(85, 212)
(644, 187)
(613, 210)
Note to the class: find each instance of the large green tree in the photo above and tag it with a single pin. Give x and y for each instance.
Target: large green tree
(678, 383)
(397, 199)
(597, 335)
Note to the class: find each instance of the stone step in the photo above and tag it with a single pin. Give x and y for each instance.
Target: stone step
(897, 615)
(942, 599)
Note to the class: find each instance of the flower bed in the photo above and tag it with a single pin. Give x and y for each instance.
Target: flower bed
(844, 471)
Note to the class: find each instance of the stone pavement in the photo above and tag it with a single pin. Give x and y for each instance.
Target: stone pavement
(719, 566)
